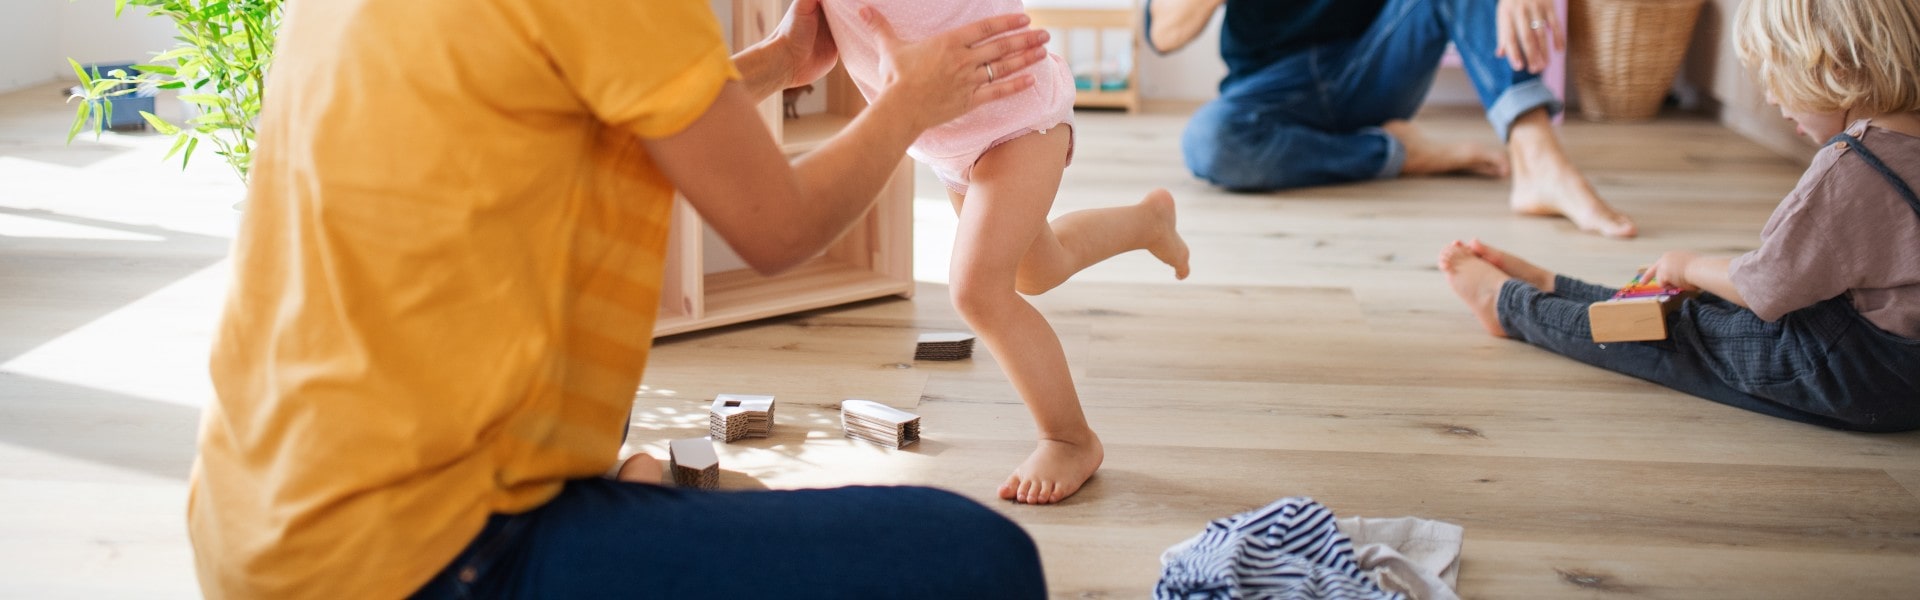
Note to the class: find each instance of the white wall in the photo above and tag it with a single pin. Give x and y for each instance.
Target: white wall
(89, 33)
(37, 37)
(29, 42)
(1192, 73)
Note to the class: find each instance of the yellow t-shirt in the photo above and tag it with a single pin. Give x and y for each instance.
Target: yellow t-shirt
(446, 281)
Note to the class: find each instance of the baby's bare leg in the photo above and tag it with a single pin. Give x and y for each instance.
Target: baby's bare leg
(1083, 238)
(1003, 214)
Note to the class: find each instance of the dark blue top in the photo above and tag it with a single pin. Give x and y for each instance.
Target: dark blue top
(1259, 32)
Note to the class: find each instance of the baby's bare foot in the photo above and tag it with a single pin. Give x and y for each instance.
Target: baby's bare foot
(1476, 282)
(1054, 471)
(640, 468)
(1166, 245)
(1512, 265)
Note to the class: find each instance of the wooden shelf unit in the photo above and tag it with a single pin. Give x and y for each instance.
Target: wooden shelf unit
(1067, 22)
(873, 259)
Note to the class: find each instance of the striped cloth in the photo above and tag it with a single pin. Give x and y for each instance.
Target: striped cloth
(1287, 550)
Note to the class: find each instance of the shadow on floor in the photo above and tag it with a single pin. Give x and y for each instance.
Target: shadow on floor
(51, 286)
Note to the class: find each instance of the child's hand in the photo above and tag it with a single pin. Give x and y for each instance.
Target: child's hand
(1671, 269)
(944, 76)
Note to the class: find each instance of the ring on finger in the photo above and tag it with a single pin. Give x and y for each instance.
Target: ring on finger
(1536, 24)
(989, 67)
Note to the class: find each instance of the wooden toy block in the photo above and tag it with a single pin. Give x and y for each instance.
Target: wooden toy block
(1631, 319)
(693, 463)
(1637, 313)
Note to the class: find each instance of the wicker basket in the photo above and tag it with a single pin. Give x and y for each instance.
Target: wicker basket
(1627, 53)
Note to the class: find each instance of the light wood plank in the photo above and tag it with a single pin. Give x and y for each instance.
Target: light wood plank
(1507, 569)
(1908, 478)
(1422, 420)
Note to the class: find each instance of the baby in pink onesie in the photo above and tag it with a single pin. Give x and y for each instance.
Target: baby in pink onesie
(1002, 165)
(952, 148)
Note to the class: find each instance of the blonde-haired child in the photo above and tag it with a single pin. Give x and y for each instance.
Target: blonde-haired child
(1001, 163)
(1821, 324)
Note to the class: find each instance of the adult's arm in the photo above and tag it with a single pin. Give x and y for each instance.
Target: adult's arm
(1175, 23)
(777, 215)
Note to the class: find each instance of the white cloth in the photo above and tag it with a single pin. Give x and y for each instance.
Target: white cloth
(1412, 556)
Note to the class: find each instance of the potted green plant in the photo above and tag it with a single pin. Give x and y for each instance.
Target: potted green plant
(219, 69)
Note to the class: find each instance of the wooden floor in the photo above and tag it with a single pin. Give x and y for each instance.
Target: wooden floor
(1315, 352)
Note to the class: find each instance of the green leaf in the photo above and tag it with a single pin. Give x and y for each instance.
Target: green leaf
(85, 81)
(179, 141)
(79, 120)
(118, 5)
(159, 125)
(207, 100)
(155, 69)
(191, 144)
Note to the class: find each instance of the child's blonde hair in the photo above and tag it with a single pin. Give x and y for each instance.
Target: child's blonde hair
(1860, 56)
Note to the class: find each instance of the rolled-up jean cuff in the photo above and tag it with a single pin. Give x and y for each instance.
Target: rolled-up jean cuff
(1396, 154)
(1518, 100)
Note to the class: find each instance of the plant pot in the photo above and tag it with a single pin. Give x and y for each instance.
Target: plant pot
(125, 112)
(1626, 53)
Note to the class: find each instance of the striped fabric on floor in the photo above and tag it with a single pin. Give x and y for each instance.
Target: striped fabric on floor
(1287, 550)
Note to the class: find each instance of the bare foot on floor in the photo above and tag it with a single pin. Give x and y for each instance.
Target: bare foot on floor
(640, 468)
(1548, 185)
(1513, 266)
(1167, 246)
(1053, 472)
(1476, 282)
(1427, 157)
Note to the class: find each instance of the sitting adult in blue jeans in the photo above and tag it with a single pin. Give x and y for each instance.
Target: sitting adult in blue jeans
(1319, 92)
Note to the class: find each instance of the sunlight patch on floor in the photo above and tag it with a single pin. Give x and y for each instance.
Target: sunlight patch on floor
(153, 348)
(28, 227)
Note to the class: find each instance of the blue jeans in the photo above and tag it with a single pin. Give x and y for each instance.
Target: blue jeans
(1313, 118)
(1824, 364)
(603, 538)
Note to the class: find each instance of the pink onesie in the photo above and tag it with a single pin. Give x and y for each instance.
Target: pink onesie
(952, 148)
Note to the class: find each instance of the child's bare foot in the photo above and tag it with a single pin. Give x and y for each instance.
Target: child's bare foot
(1476, 282)
(1513, 266)
(1427, 157)
(640, 468)
(1167, 246)
(1544, 183)
(1054, 471)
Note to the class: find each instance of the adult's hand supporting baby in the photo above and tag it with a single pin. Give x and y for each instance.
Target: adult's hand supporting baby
(808, 42)
(944, 76)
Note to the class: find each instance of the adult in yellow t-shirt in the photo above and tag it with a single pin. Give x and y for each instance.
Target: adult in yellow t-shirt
(445, 293)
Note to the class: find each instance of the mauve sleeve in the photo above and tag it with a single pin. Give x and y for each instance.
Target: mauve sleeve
(1805, 256)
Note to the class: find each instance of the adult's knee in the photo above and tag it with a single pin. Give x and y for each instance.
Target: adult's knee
(1002, 558)
(1229, 150)
(1206, 139)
